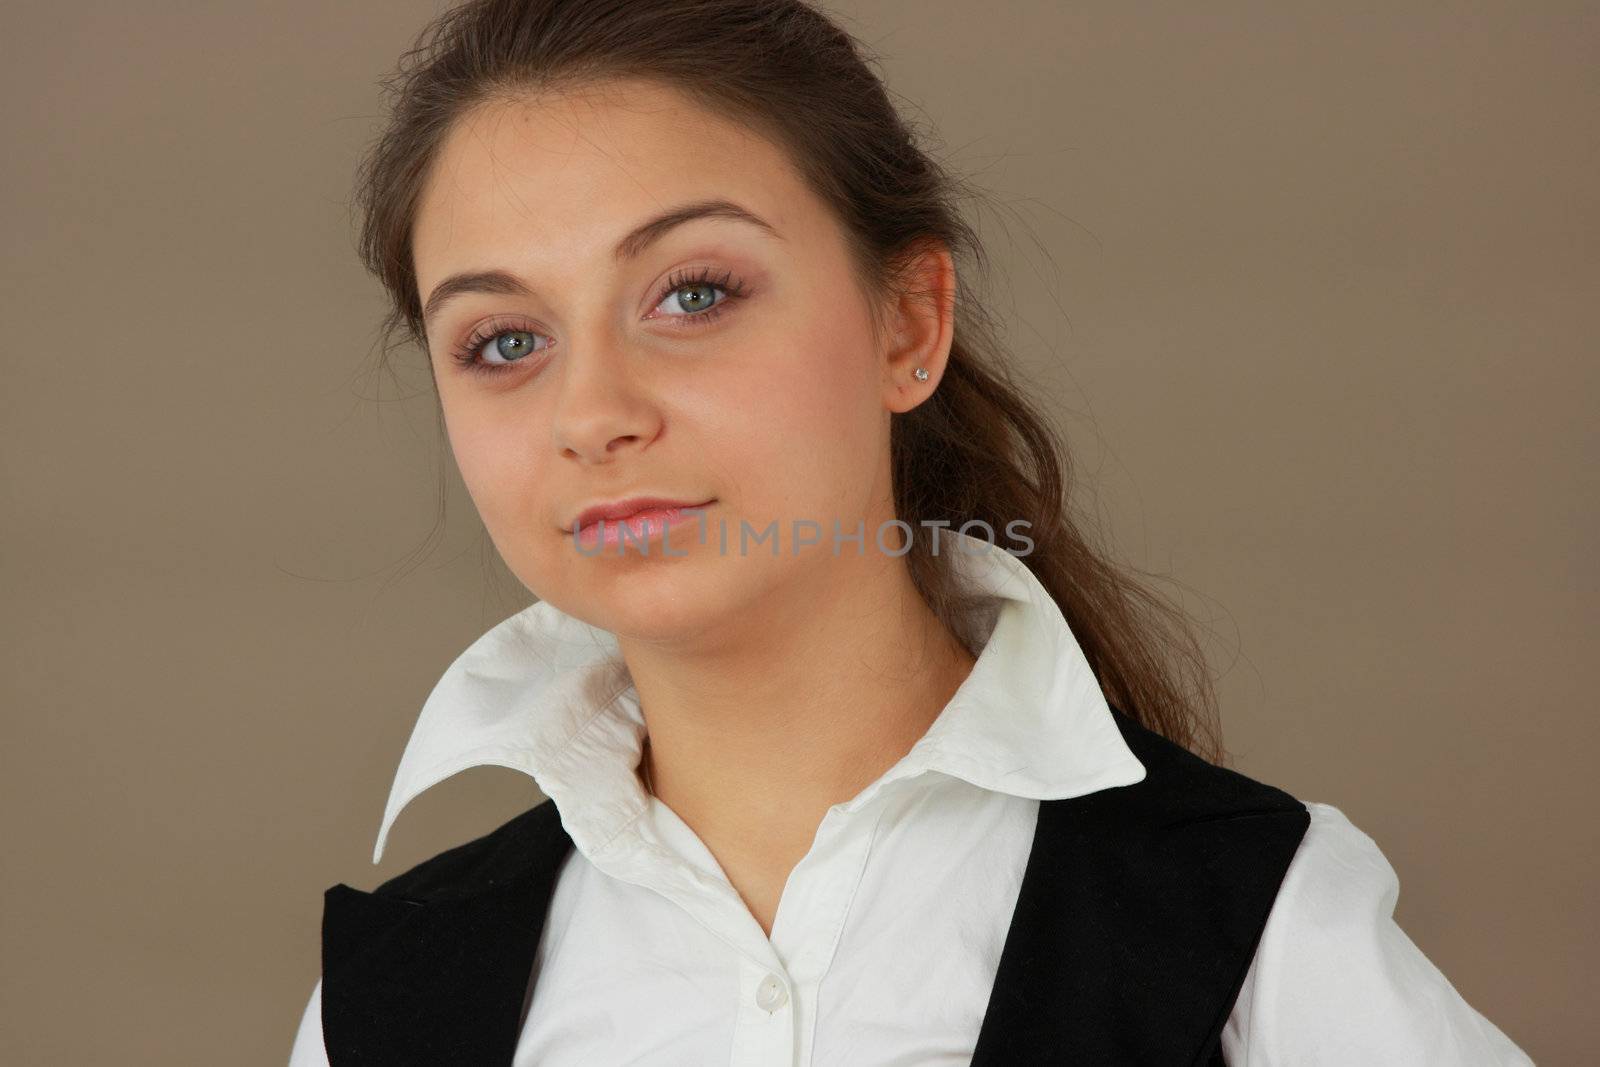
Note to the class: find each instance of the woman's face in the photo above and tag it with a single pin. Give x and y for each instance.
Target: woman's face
(716, 360)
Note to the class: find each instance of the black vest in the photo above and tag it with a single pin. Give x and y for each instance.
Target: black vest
(1138, 916)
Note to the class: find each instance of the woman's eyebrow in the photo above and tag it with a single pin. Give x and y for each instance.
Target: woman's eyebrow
(632, 245)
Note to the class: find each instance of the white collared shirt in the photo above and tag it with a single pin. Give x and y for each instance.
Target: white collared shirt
(888, 934)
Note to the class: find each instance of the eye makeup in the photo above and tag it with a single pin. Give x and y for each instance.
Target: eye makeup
(467, 355)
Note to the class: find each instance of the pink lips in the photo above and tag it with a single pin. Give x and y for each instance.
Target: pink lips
(637, 519)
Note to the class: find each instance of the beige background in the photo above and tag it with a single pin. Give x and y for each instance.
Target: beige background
(1313, 288)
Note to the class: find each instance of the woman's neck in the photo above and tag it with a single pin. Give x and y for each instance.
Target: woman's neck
(794, 711)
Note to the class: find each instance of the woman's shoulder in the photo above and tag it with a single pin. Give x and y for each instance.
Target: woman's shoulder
(472, 901)
(503, 856)
(1337, 856)
(1181, 787)
(1335, 979)
(1339, 885)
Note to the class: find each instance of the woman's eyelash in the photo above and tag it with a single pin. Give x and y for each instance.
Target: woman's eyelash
(467, 354)
(702, 276)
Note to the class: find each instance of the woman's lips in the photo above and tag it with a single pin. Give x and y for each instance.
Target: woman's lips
(639, 528)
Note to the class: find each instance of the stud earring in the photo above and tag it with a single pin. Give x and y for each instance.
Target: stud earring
(921, 374)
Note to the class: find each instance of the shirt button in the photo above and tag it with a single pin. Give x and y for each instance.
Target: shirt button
(770, 994)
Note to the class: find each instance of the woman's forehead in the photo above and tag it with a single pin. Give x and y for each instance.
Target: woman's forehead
(650, 142)
(572, 174)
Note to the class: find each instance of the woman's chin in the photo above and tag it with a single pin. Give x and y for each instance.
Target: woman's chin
(651, 597)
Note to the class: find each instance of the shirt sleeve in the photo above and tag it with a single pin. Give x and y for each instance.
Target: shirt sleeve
(1336, 981)
(308, 1049)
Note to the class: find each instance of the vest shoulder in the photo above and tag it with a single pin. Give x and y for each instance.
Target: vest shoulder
(509, 852)
(1179, 785)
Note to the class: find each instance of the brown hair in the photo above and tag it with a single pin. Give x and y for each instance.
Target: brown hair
(977, 449)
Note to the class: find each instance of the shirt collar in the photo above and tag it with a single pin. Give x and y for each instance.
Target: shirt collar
(549, 695)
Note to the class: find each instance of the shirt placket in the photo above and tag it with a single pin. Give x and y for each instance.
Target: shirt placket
(662, 853)
(777, 1011)
(775, 1017)
(765, 1029)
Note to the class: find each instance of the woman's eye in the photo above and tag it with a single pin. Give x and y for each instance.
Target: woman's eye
(494, 349)
(699, 296)
(694, 297)
(510, 346)
(692, 300)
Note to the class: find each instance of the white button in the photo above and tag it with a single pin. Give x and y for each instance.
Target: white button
(771, 994)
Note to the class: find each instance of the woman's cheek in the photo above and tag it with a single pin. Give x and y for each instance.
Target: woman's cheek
(494, 461)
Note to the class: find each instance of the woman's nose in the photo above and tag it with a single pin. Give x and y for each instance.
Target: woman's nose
(602, 408)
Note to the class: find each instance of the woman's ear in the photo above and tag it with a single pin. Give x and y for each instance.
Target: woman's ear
(921, 326)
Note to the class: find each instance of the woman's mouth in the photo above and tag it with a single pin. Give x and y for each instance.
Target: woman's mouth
(637, 522)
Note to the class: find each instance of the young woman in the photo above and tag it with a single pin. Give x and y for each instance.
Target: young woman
(855, 750)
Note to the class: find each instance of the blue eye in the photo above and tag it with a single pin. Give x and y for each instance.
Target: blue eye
(511, 346)
(700, 303)
(514, 343)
